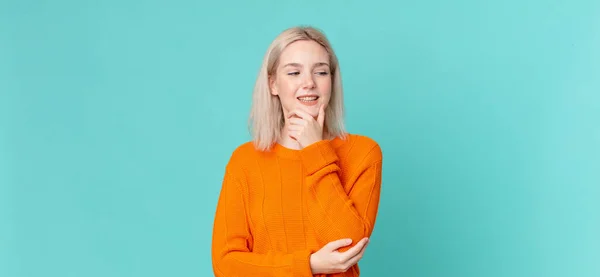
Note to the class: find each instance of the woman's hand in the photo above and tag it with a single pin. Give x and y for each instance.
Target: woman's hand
(304, 128)
(327, 260)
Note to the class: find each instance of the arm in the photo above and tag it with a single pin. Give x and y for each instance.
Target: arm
(232, 242)
(334, 213)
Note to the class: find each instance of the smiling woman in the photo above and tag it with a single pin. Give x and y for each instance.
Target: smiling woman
(301, 199)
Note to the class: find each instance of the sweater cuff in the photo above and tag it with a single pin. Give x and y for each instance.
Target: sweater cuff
(317, 155)
(301, 264)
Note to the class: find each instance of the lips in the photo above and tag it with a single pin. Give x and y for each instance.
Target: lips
(311, 97)
(308, 100)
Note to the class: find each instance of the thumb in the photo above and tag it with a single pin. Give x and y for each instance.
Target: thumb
(321, 116)
(334, 245)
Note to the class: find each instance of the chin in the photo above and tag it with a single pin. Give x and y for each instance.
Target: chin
(312, 108)
(313, 111)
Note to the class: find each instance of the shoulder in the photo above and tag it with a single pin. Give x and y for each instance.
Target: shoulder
(241, 155)
(364, 146)
(244, 150)
(362, 141)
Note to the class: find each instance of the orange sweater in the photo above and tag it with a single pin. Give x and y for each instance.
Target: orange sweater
(278, 207)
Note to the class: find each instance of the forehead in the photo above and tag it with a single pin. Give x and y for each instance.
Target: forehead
(304, 52)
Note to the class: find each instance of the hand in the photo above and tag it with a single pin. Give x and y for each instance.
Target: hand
(327, 260)
(303, 128)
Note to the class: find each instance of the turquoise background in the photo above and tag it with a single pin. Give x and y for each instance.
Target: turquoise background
(118, 117)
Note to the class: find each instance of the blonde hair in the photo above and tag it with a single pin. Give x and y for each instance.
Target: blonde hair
(266, 115)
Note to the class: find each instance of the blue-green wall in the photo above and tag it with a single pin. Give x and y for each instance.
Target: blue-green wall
(118, 117)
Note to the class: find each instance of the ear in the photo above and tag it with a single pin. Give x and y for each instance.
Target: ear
(272, 86)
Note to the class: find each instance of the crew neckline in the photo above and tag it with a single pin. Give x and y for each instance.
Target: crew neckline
(294, 154)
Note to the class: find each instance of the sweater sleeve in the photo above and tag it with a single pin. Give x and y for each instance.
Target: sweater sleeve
(232, 242)
(333, 212)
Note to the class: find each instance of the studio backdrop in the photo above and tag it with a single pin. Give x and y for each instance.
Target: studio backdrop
(117, 119)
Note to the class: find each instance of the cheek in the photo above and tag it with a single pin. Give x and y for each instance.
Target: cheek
(287, 93)
(324, 88)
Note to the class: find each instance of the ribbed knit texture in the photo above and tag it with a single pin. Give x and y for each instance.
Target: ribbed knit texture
(276, 208)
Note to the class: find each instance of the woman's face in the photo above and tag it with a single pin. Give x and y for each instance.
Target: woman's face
(302, 79)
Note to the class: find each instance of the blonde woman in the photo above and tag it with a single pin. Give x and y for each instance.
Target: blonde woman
(301, 198)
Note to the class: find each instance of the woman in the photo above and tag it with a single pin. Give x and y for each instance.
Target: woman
(300, 199)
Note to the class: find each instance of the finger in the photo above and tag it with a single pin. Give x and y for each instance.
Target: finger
(354, 250)
(356, 258)
(293, 115)
(295, 128)
(332, 246)
(321, 116)
(297, 121)
(304, 115)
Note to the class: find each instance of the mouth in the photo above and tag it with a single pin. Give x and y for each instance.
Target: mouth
(308, 100)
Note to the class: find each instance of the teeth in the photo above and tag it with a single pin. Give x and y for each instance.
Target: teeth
(309, 98)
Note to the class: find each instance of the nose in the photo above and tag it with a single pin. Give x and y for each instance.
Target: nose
(308, 82)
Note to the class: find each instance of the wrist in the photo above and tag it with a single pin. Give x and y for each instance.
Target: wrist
(318, 155)
(313, 264)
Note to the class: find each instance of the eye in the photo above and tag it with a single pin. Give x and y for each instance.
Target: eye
(323, 73)
(293, 73)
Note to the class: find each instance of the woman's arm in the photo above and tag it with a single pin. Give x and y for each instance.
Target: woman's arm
(232, 242)
(334, 213)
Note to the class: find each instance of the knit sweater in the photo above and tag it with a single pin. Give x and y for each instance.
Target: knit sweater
(277, 207)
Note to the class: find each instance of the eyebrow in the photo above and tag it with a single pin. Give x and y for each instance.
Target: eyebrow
(299, 65)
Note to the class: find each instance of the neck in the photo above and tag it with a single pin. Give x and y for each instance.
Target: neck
(285, 139)
(288, 142)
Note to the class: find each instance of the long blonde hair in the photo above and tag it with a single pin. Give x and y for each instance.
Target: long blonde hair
(266, 115)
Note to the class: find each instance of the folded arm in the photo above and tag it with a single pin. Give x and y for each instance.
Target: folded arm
(333, 212)
(232, 242)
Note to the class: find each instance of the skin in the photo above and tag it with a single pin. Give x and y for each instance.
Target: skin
(304, 70)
